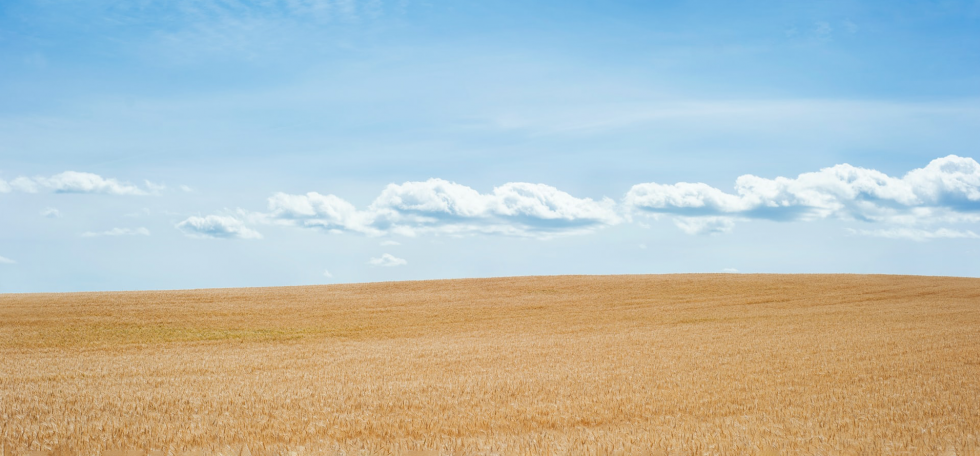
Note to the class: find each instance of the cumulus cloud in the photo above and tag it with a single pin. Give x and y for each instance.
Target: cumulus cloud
(917, 234)
(327, 212)
(77, 182)
(387, 260)
(217, 227)
(947, 189)
(4, 260)
(119, 232)
(440, 206)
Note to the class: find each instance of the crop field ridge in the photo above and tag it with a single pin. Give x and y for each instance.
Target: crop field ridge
(687, 364)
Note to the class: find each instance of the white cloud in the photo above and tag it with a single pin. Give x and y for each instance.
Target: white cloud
(537, 207)
(730, 271)
(434, 196)
(217, 227)
(119, 232)
(186, 189)
(949, 181)
(77, 182)
(443, 207)
(24, 184)
(704, 225)
(314, 210)
(387, 260)
(51, 212)
(4, 260)
(947, 189)
(155, 188)
(390, 242)
(4, 186)
(917, 234)
(327, 274)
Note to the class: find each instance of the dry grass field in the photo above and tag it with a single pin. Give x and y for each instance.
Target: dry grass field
(679, 364)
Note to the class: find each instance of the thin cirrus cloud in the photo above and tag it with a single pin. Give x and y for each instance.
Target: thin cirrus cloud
(77, 182)
(442, 207)
(5, 260)
(245, 30)
(141, 231)
(945, 190)
(387, 260)
(217, 227)
(917, 234)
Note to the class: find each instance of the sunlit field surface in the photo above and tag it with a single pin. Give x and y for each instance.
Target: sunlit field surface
(678, 364)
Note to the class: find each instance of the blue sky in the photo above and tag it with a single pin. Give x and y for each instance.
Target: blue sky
(187, 144)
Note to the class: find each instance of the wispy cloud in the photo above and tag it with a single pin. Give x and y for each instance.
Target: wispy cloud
(5, 260)
(154, 187)
(51, 212)
(77, 182)
(704, 225)
(387, 260)
(327, 274)
(823, 29)
(774, 117)
(217, 227)
(118, 232)
(244, 30)
(917, 234)
(140, 213)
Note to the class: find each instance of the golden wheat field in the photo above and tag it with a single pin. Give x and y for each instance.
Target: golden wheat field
(592, 365)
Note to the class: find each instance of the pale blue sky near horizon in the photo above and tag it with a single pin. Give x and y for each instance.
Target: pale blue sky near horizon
(193, 144)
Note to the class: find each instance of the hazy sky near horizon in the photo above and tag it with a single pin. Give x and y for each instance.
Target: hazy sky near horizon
(187, 144)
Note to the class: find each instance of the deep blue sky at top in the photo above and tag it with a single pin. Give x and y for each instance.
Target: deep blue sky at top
(229, 102)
